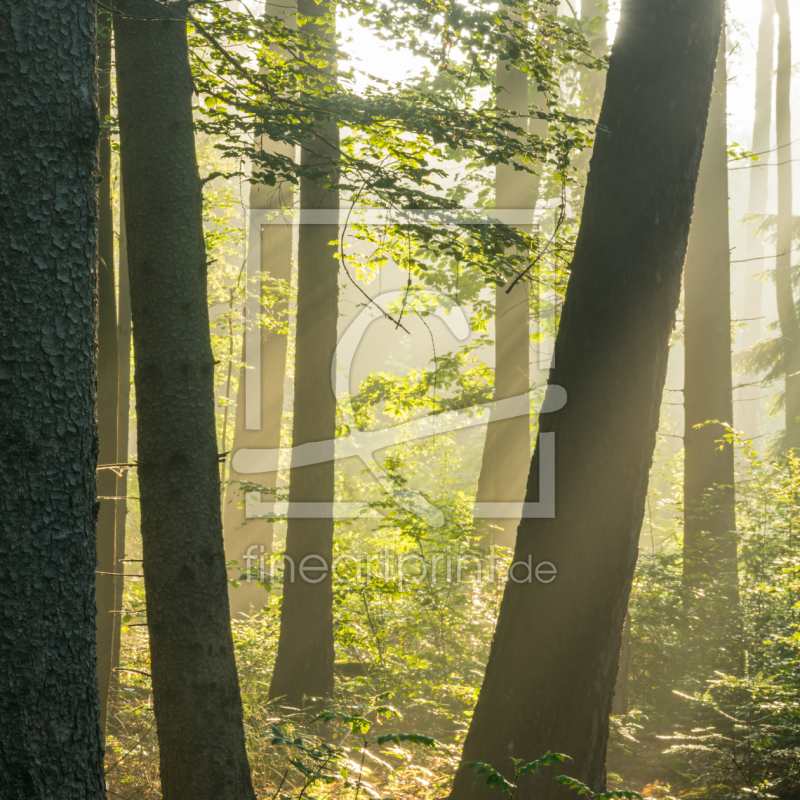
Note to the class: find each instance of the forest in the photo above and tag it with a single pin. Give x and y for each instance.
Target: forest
(399, 399)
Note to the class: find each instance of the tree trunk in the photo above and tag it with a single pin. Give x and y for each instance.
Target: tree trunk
(787, 312)
(759, 187)
(304, 664)
(246, 540)
(51, 744)
(107, 373)
(123, 430)
(196, 697)
(709, 538)
(271, 245)
(596, 14)
(507, 450)
(550, 677)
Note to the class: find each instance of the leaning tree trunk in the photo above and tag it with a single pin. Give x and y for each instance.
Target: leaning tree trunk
(507, 450)
(550, 677)
(304, 664)
(759, 189)
(709, 538)
(50, 739)
(107, 373)
(787, 312)
(196, 697)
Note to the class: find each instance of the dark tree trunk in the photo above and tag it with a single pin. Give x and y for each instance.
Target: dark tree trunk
(50, 739)
(787, 312)
(107, 373)
(759, 187)
(123, 430)
(304, 664)
(709, 538)
(196, 697)
(507, 451)
(550, 677)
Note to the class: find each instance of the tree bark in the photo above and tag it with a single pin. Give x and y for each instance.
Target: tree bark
(50, 739)
(507, 450)
(757, 204)
(304, 664)
(197, 704)
(550, 677)
(107, 379)
(787, 312)
(709, 514)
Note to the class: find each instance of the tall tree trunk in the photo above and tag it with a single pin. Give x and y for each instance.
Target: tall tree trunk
(550, 677)
(196, 697)
(507, 450)
(50, 739)
(123, 430)
(271, 245)
(787, 312)
(757, 204)
(709, 538)
(107, 372)
(596, 15)
(304, 664)
(246, 540)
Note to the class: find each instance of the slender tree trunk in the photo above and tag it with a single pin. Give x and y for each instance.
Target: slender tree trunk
(107, 372)
(709, 538)
(51, 745)
(787, 312)
(274, 250)
(304, 664)
(196, 697)
(123, 431)
(550, 677)
(507, 450)
(272, 246)
(596, 15)
(759, 187)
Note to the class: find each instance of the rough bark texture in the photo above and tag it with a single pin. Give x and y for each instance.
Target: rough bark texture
(304, 664)
(107, 373)
(709, 539)
(787, 312)
(759, 187)
(507, 450)
(50, 739)
(274, 243)
(196, 697)
(550, 677)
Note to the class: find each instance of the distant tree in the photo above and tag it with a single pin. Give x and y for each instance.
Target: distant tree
(787, 310)
(261, 427)
(50, 738)
(107, 386)
(550, 677)
(197, 705)
(304, 664)
(507, 450)
(123, 430)
(757, 205)
(709, 514)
